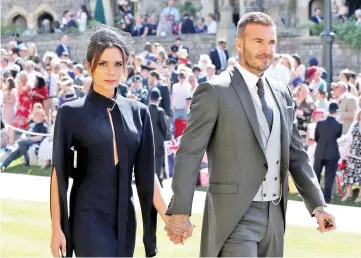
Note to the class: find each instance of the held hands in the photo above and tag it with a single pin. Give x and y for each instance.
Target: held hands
(326, 221)
(179, 228)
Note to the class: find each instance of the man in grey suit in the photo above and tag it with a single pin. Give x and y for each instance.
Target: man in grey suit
(244, 120)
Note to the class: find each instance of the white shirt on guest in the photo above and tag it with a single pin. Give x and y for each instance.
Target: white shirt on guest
(180, 95)
(212, 28)
(251, 82)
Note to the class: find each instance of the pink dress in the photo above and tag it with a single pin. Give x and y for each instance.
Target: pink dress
(9, 106)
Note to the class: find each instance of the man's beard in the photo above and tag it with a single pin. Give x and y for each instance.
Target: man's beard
(250, 61)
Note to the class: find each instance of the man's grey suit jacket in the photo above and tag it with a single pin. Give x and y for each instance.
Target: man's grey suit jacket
(224, 123)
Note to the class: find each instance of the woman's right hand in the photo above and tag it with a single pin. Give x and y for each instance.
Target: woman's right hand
(58, 241)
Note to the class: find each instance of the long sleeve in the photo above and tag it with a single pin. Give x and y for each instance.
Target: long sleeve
(302, 173)
(163, 123)
(62, 163)
(144, 178)
(202, 118)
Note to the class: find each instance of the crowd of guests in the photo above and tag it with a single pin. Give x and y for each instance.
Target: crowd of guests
(169, 22)
(32, 87)
(327, 116)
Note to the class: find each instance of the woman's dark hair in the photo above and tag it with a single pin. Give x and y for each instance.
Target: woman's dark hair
(14, 73)
(11, 82)
(98, 43)
(84, 9)
(40, 82)
(297, 58)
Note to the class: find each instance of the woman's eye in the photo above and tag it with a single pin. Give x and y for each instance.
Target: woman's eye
(118, 64)
(102, 64)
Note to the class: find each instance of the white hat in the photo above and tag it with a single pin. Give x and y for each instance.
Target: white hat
(183, 53)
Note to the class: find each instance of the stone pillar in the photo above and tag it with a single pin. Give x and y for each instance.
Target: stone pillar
(242, 8)
(207, 7)
(302, 10)
(226, 28)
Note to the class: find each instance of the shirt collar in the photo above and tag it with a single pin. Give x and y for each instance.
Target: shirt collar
(250, 78)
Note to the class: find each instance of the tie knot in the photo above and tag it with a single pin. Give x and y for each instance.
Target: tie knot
(260, 83)
(260, 87)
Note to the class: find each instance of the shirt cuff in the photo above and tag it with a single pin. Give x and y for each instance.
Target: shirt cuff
(317, 208)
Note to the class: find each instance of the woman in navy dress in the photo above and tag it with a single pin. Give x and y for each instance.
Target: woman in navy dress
(98, 141)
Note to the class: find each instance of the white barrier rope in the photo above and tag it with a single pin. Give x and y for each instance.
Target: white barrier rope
(27, 132)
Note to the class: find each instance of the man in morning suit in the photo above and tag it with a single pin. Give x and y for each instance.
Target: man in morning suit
(244, 121)
(327, 153)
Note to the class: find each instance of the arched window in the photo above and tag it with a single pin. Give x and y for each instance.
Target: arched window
(45, 16)
(20, 21)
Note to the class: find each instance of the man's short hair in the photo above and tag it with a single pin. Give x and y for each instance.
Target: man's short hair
(155, 74)
(341, 84)
(253, 18)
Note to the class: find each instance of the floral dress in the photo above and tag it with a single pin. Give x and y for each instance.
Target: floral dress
(23, 110)
(353, 163)
(303, 120)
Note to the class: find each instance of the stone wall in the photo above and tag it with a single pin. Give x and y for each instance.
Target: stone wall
(31, 10)
(198, 44)
(306, 47)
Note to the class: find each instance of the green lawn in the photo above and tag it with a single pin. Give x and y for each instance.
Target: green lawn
(17, 167)
(25, 231)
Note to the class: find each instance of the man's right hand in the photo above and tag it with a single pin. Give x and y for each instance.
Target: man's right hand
(58, 242)
(179, 228)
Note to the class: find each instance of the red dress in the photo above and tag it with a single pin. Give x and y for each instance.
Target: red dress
(23, 109)
(42, 91)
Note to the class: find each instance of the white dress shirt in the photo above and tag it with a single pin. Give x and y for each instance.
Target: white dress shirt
(251, 82)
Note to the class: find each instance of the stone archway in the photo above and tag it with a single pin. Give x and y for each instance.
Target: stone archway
(20, 21)
(44, 9)
(44, 16)
(16, 11)
(314, 4)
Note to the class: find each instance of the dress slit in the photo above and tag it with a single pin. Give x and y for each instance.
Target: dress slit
(115, 147)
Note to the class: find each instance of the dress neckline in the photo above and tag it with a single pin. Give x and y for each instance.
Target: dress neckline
(102, 100)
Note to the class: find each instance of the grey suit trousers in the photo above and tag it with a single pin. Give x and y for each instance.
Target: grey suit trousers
(260, 233)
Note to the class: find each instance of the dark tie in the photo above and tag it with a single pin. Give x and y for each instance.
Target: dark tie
(267, 110)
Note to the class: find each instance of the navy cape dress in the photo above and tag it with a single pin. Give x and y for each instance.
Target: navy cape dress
(102, 220)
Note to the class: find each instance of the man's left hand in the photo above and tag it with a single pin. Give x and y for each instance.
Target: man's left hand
(326, 221)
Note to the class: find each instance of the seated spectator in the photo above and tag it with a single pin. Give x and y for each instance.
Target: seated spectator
(358, 17)
(26, 140)
(201, 27)
(165, 26)
(152, 26)
(139, 29)
(174, 24)
(46, 146)
(187, 26)
(212, 24)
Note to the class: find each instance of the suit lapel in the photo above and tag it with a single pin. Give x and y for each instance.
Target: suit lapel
(245, 97)
(284, 130)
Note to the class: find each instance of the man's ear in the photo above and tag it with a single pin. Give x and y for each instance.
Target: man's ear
(239, 45)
